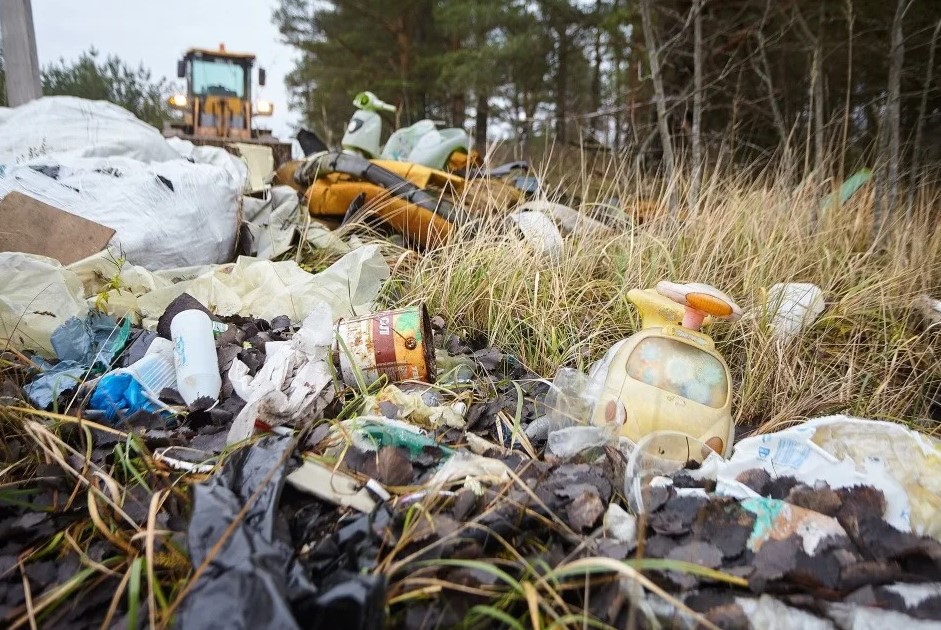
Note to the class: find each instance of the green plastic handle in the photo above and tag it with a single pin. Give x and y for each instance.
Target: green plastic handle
(371, 102)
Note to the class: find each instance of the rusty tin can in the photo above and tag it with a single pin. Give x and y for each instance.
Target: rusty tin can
(395, 343)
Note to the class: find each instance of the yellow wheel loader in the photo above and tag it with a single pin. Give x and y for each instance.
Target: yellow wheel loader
(217, 108)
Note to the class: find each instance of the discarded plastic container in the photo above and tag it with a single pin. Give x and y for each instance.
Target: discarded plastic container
(395, 343)
(197, 367)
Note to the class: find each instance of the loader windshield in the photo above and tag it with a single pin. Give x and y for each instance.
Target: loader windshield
(218, 77)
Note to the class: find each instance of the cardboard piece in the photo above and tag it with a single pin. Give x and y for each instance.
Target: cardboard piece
(34, 227)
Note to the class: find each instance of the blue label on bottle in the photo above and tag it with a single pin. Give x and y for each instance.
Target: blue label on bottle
(181, 352)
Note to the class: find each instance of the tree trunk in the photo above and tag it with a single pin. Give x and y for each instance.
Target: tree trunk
(597, 123)
(697, 107)
(661, 100)
(850, 21)
(457, 111)
(920, 125)
(818, 99)
(561, 83)
(765, 75)
(482, 120)
(893, 106)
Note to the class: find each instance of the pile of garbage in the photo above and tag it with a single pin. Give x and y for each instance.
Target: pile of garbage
(296, 456)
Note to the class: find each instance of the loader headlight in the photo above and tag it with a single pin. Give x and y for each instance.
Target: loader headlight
(178, 101)
(264, 108)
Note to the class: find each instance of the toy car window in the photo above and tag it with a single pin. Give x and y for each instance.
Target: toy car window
(680, 369)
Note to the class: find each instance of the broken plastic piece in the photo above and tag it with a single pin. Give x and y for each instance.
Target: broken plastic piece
(334, 486)
(186, 459)
(463, 466)
(571, 441)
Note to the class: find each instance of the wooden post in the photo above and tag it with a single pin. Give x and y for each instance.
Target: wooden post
(19, 52)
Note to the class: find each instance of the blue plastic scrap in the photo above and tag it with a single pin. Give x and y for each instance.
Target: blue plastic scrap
(83, 347)
(54, 380)
(119, 393)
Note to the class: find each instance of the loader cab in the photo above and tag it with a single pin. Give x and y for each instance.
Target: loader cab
(218, 100)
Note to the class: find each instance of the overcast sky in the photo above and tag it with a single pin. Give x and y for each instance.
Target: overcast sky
(156, 33)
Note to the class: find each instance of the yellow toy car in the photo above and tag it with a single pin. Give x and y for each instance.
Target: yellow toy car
(668, 376)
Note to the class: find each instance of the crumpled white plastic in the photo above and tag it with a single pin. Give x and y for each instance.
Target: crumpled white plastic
(793, 307)
(249, 286)
(266, 289)
(293, 383)
(539, 232)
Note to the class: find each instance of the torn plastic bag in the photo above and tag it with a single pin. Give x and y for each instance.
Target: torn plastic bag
(92, 341)
(54, 380)
(37, 295)
(272, 222)
(844, 451)
(253, 581)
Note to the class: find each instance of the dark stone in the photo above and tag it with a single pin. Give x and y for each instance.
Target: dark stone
(393, 467)
(774, 560)
(677, 516)
(726, 524)
(757, 479)
(585, 511)
(698, 552)
(822, 500)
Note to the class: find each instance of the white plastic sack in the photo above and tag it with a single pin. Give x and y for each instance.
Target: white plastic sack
(60, 124)
(844, 451)
(165, 215)
(37, 295)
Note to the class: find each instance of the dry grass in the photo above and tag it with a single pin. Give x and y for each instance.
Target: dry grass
(865, 355)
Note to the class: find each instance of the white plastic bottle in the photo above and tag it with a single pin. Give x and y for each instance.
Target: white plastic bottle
(194, 354)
